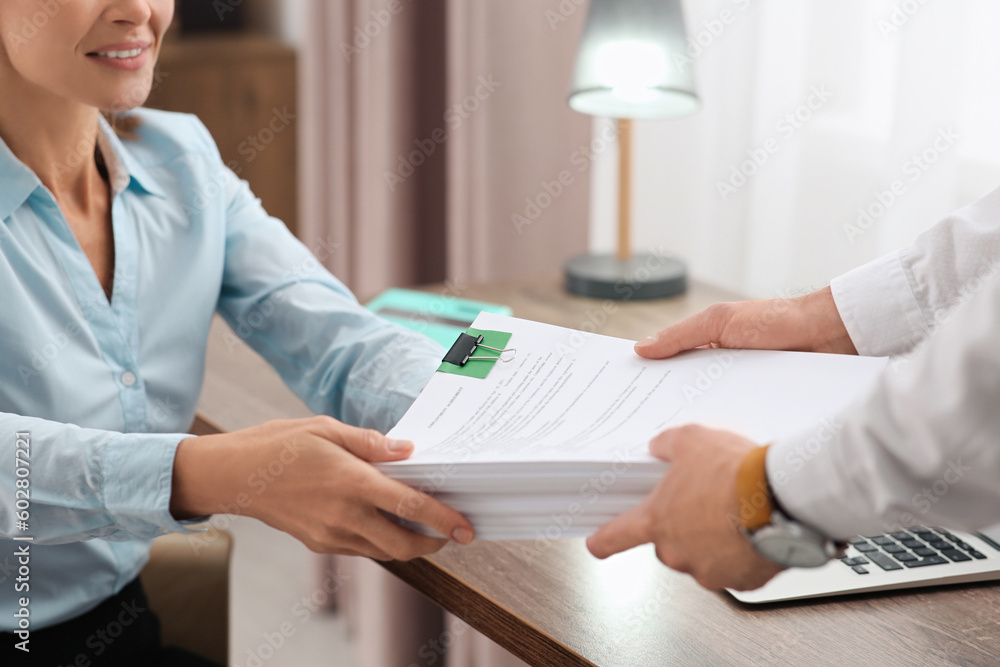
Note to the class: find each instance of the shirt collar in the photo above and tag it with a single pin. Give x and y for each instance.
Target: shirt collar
(123, 168)
(17, 181)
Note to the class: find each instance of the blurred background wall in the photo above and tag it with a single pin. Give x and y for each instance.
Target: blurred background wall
(910, 96)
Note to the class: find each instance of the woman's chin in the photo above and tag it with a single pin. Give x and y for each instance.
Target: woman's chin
(127, 102)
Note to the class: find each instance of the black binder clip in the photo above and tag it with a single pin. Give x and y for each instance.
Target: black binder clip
(461, 352)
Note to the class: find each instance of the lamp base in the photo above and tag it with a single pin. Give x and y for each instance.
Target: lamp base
(642, 277)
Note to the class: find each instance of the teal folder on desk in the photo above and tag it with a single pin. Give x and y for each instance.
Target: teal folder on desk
(441, 318)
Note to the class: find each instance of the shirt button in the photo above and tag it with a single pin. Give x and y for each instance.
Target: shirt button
(128, 378)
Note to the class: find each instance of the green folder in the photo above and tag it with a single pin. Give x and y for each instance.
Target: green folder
(438, 316)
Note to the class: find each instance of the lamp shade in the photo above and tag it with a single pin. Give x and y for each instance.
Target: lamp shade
(633, 61)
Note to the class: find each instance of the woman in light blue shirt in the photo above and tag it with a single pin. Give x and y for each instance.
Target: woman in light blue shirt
(115, 253)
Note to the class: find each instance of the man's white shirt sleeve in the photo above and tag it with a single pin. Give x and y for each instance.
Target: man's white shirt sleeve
(922, 447)
(892, 304)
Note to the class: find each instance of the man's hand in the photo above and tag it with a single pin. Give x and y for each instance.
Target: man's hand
(312, 478)
(808, 323)
(692, 517)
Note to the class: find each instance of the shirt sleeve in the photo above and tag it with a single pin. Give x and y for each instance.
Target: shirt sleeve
(921, 449)
(893, 303)
(337, 356)
(84, 483)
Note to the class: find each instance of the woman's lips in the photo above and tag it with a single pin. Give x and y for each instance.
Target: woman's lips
(126, 56)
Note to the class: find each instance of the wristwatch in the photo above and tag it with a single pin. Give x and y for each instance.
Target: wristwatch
(773, 534)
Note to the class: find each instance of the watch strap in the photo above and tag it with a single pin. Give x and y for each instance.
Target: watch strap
(753, 493)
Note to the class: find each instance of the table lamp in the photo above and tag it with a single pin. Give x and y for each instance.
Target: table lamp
(632, 63)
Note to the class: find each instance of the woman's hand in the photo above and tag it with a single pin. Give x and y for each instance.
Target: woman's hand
(808, 323)
(312, 478)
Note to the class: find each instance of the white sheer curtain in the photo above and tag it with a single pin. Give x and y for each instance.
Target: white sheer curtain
(906, 92)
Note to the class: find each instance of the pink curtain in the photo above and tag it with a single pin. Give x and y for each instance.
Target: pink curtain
(436, 144)
(434, 134)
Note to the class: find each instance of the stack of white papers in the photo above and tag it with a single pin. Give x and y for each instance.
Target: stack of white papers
(555, 443)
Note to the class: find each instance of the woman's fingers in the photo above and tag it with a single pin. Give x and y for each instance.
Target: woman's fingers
(354, 545)
(332, 498)
(359, 546)
(365, 443)
(392, 496)
(397, 541)
(407, 503)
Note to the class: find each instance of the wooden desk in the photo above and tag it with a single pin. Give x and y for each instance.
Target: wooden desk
(551, 603)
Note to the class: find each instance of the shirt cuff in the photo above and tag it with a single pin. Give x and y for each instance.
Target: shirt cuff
(808, 479)
(877, 305)
(138, 470)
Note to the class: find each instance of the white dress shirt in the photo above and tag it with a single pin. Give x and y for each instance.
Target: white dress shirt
(923, 446)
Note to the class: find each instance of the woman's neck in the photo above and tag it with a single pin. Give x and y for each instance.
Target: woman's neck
(56, 138)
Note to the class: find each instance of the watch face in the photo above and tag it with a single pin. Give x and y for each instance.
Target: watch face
(789, 550)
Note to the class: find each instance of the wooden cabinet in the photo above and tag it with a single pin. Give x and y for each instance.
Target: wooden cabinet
(243, 87)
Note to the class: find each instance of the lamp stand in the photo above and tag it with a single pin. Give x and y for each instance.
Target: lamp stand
(625, 276)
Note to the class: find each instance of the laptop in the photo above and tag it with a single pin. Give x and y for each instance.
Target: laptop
(916, 557)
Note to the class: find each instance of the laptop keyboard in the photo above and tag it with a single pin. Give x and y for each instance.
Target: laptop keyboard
(919, 547)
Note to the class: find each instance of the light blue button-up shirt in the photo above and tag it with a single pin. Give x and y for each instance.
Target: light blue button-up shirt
(106, 390)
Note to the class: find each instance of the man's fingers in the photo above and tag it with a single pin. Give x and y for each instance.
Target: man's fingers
(664, 446)
(402, 501)
(365, 443)
(625, 532)
(696, 331)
